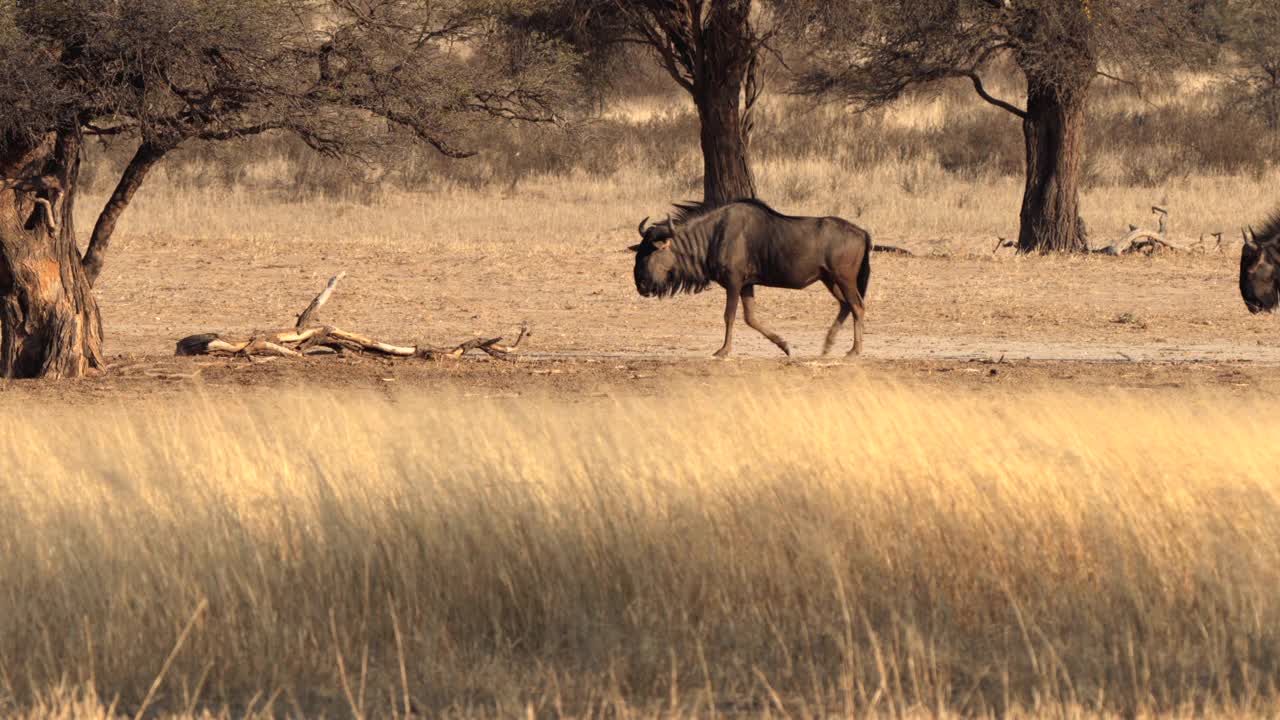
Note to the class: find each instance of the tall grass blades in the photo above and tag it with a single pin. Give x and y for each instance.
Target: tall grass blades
(739, 548)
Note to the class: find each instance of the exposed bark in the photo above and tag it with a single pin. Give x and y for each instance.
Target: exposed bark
(1053, 129)
(49, 320)
(146, 157)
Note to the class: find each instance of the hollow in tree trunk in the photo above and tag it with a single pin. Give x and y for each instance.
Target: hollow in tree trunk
(1054, 132)
(49, 321)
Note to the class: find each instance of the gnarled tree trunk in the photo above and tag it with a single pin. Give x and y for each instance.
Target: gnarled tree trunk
(49, 321)
(725, 139)
(726, 84)
(1053, 129)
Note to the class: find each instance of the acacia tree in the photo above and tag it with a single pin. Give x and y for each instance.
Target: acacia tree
(1252, 30)
(161, 73)
(711, 48)
(871, 51)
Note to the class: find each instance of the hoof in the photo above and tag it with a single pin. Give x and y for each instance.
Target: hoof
(720, 354)
(786, 349)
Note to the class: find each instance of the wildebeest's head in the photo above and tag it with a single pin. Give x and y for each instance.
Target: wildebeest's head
(655, 259)
(1259, 274)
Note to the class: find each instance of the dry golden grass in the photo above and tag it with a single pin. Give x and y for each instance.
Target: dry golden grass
(727, 547)
(912, 203)
(743, 548)
(885, 170)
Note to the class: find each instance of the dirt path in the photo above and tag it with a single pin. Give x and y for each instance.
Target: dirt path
(185, 379)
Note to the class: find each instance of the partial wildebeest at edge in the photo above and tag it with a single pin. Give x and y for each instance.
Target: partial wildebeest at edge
(746, 243)
(1260, 267)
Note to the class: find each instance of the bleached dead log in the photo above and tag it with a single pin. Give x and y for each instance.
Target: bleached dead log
(305, 339)
(891, 249)
(305, 318)
(1147, 242)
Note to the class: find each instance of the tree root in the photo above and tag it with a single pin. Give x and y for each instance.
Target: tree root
(305, 339)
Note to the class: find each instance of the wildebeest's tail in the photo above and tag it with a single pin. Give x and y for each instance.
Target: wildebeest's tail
(864, 272)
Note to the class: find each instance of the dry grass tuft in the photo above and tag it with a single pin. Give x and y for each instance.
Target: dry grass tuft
(743, 548)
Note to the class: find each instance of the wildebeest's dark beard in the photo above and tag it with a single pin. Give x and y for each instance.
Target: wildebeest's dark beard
(688, 276)
(677, 283)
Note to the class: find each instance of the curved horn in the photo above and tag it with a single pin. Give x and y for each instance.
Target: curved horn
(670, 224)
(1249, 241)
(642, 224)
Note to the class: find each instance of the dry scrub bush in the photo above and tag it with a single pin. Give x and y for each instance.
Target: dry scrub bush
(1132, 143)
(749, 546)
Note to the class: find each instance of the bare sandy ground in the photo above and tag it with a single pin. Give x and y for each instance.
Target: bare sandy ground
(1129, 321)
(580, 298)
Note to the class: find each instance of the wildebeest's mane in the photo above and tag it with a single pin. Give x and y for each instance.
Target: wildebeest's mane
(691, 210)
(1269, 233)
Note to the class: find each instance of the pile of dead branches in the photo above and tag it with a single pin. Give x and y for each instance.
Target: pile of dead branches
(1142, 241)
(1152, 242)
(306, 338)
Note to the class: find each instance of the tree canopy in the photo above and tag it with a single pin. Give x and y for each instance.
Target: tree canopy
(1250, 29)
(339, 74)
(869, 52)
(172, 70)
(710, 48)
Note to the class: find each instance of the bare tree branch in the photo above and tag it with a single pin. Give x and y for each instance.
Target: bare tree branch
(982, 93)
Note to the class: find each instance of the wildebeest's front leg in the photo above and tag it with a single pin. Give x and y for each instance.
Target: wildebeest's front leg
(749, 314)
(730, 315)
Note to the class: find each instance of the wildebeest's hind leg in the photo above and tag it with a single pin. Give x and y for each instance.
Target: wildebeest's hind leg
(749, 313)
(856, 307)
(730, 315)
(844, 315)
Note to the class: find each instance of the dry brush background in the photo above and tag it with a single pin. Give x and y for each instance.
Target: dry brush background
(762, 542)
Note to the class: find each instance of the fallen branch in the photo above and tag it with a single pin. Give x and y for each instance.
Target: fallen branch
(1147, 242)
(305, 318)
(305, 339)
(891, 249)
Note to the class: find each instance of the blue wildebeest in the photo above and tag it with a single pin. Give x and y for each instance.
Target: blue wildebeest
(1260, 267)
(747, 243)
